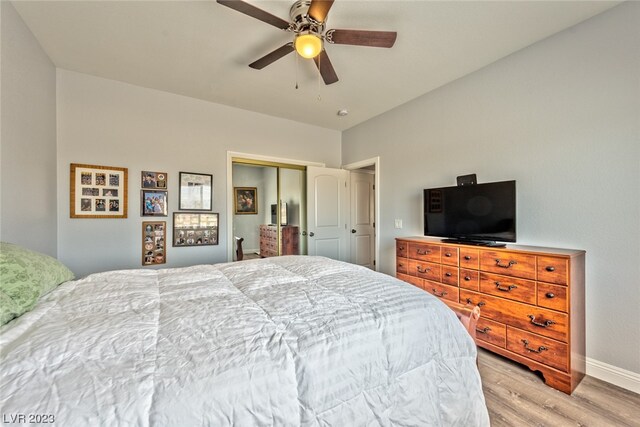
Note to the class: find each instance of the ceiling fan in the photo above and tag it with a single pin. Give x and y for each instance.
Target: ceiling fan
(308, 18)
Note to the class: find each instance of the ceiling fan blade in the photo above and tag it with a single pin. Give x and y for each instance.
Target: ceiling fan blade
(255, 12)
(362, 37)
(272, 57)
(326, 69)
(318, 9)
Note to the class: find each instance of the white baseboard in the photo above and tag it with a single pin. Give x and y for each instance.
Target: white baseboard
(613, 375)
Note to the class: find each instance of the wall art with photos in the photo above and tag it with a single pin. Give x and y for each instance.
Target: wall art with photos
(154, 180)
(246, 200)
(98, 191)
(196, 191)
(195, 229)
(153, 202)
(154, 246)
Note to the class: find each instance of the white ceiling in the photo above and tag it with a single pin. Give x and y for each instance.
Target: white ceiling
(201, 49)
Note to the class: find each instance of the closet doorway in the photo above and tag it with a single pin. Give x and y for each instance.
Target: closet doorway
(269, 208)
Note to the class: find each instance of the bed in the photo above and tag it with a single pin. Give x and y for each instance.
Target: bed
(287, 341)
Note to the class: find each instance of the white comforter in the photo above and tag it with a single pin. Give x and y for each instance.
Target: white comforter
(281, 341)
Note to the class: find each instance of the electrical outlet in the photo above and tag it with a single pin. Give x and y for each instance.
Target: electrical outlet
(398, 223)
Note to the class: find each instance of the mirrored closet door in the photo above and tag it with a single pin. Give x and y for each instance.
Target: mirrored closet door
(269, 209)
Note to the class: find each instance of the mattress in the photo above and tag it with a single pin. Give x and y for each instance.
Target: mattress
(287, 341)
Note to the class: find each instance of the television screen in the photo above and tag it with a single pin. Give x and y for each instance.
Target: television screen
(283, 214)
(479, 212)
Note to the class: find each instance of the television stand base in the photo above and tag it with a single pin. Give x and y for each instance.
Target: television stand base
(486, 243)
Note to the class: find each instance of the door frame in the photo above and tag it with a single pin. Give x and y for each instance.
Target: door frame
(231, 155)
(375, 162)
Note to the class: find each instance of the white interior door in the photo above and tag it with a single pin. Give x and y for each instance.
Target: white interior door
(362, 240)
(327, 212)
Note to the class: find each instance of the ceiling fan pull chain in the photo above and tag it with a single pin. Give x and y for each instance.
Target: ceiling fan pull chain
(296, 71)
(319, 77)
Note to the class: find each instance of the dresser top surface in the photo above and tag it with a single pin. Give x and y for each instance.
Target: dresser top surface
(539, 250)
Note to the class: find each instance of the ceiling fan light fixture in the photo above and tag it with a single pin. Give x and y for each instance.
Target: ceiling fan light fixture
(308, 45)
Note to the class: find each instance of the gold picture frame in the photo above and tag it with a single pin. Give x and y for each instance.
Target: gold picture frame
(245, 200)
(97, 191)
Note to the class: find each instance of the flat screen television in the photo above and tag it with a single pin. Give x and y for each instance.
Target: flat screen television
(283, 214)
(481, 214)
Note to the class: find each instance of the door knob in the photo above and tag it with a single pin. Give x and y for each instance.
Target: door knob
(353, 230)
(311, 234)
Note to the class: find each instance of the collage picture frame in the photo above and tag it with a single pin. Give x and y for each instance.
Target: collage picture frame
(195, 229)
(154, 242)
(97, 191)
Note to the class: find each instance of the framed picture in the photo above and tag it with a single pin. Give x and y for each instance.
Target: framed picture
(154, 246)
(195, 229)
(195, 191)
(246, 200)
(151, 179)
(97, 191)
(153, 203)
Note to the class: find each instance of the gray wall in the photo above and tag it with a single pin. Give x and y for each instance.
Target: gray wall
(28, 138)
(562, 117)
(104, 122)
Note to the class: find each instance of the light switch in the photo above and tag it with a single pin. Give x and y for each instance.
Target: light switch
(398, 223)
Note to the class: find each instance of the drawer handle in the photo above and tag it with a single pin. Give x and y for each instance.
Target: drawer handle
(447, 274)
(423, 270)
(546, 323)
(400, 265)
(467, 257)
(480, 304)
(448, 255)
(484, 330)
(533, 350)
(423, 252)
(441, 294)
(505, 289)
(549, 295)
(511, 262)
(550, 268)
(467, 278)
(401, 248)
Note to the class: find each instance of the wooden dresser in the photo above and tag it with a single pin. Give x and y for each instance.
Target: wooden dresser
(531, 299)
(269, 240)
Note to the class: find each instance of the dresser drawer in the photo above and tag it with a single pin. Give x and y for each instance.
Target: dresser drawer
(425, 270)
(449, 275)
(492, 332)
(508, 263)
(402, 265)
(424, 252)
(469, 279)
(541, 321)
(470, 258)
(552, 270)
(402, 249)
(538, 348)
(442, 291)
(415, 281)
(508, 287)
(450, 255)
(552, 296)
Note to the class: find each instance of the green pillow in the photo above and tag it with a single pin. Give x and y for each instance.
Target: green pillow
(24, 277)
